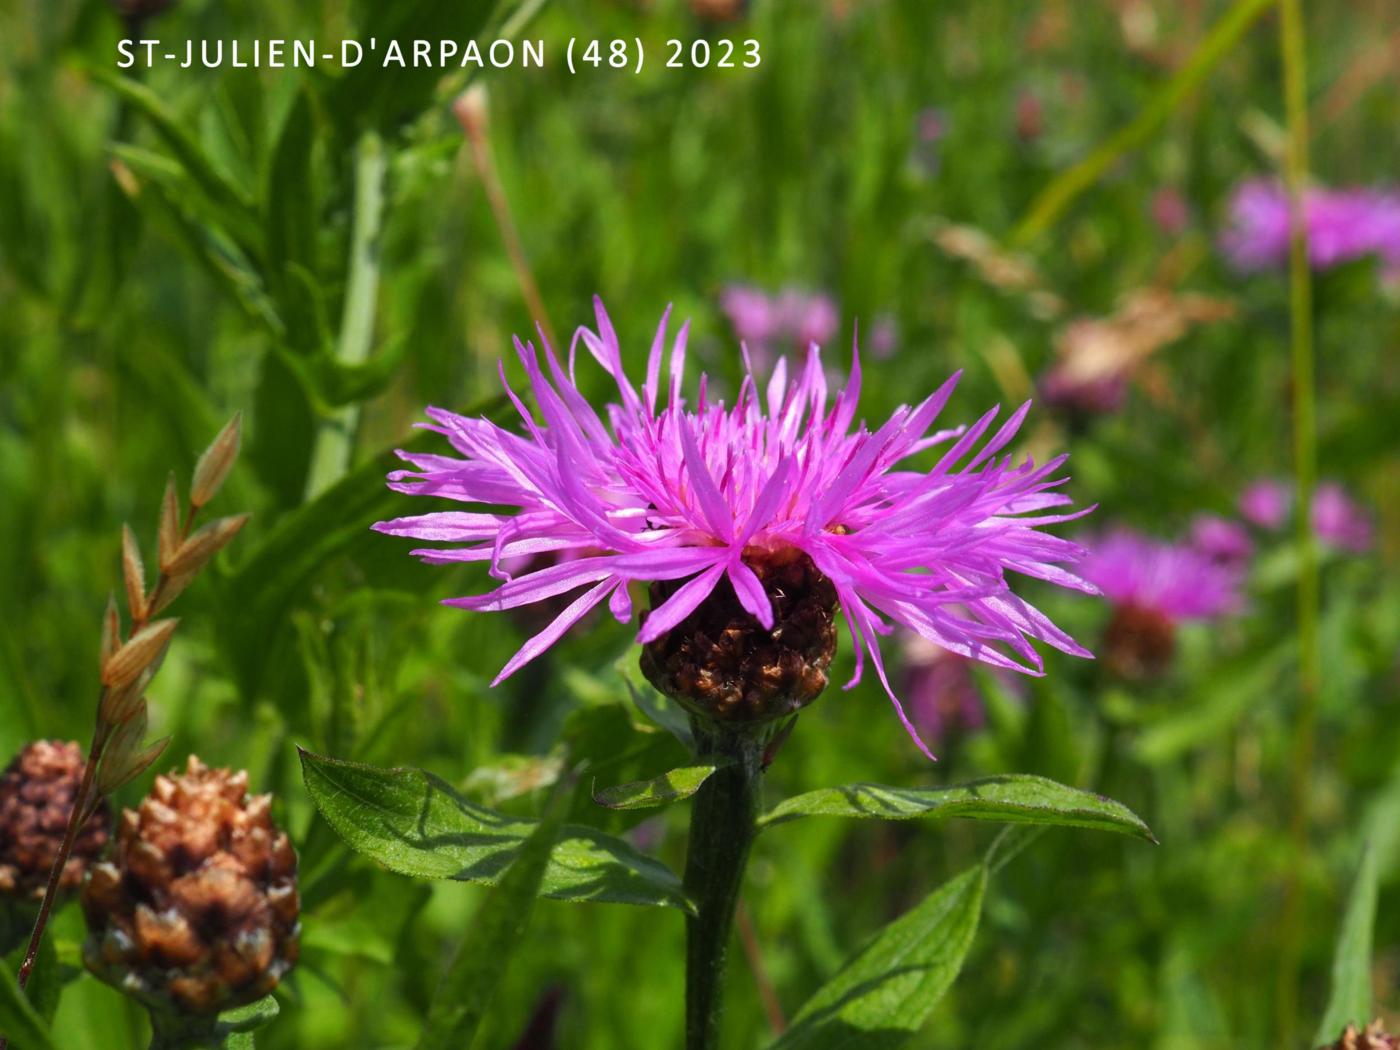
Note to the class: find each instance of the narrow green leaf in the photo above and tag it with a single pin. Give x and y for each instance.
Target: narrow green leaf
(292, 216)
(885, 994)
(498, 928)
(658, 791)
(415, 823)
(19, 1020)
(1011, 799)
(236, 1027)
(1350, 1002)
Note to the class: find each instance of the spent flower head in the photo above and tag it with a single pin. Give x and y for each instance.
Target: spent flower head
(751, 521)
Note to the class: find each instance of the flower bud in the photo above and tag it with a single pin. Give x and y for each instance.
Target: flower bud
(37, 791)
(197, 911)
(721, 663)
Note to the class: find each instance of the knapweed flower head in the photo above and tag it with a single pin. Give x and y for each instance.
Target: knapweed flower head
(1222, 540)
(794, 317)
(751, 523)
(1339, 520)
(1341, 225)
(942, 696)
(1266, 503)
(1154, 585)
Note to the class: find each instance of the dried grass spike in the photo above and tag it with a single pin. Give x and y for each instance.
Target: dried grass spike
(134, 574)
(141, 651)
(196, 551)
(216, 462)
(169, 524)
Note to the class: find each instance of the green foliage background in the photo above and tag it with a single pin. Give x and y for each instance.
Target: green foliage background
(174, 247)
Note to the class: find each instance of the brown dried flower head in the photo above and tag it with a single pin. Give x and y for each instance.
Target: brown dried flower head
(1373, 1037)
(721, 663)
(1139, 643)
(197, 911)
(37, 791)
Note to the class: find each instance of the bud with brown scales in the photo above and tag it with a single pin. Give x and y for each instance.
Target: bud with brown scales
(197, 910)
(37, 792)
(722, 664)
(1139, 643)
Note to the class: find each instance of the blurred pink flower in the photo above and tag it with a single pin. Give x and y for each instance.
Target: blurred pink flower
(1170, 211)
(1222, 540)
(1266, 503)
(1341, 225)
(1339, 521)
(941, 692)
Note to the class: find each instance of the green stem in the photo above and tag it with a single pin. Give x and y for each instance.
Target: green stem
(1291, 44)
(330, 458)
(1069, 184)
(722, 820)
(179, 1032)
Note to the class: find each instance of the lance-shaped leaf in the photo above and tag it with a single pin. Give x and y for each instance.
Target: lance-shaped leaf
(658, 791)
(236, 1027)
(414, 823)
(497, 929)
(884, 995)
(215, 463)
(1012, 799)
(1350, 1002)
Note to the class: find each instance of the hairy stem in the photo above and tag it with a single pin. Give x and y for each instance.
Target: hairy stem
(722, 820)
(1291, 45)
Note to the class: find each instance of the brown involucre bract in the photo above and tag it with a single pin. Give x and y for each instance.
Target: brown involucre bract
(37, 791)
(197, 910)
(1372, 1037)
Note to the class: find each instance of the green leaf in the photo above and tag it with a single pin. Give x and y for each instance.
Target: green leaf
(482, 957)
(414, 823)
(19, 1020)
(658, 791)
(236, 1027)
(292, 216)
(885, 994)
(1350, 1002)
(1011, 799)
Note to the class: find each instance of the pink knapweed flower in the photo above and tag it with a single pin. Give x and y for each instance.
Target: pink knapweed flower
(1222, 540)
(1154, 585)
(942, 696)
(1341, 225)
(1339, 520)
(1266, 503)
(692, 495)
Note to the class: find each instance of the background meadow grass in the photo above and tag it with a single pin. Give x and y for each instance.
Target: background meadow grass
(155, 277)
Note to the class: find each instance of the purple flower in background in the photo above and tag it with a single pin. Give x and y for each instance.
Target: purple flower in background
(930, 129)
(1266, 503)
(754, 316)
(1222, 540)
(1341, 225)
(711, 503)
(1170, 211)
(1095, 396)
(808, 317)
(1339, 521)
(940, 691)
(884, 337)
(794, 316)
(1154, 586)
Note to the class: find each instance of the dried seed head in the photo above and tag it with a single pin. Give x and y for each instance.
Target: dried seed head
(197, 911)
(217, 461)
(143, 649)
(195, 551)
(37, 791)
(111, 629)
(133, 574)
(169, 537)
(1139, 643)
(721, 663)
(1374, 1037)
